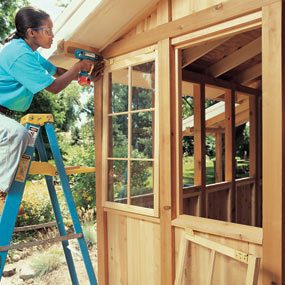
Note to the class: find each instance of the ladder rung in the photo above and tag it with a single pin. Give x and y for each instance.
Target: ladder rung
(35, 227)
(47, 168)
(79, 169)
(40, 242)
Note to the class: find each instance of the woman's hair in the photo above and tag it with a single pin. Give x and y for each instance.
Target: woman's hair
(27, 17)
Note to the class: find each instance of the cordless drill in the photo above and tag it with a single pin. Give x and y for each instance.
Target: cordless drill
(84, 78)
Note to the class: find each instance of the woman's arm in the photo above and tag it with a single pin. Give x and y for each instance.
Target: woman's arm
(64, 77)
(59, 71)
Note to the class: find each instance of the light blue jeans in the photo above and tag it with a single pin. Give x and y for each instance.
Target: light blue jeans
(14, 138)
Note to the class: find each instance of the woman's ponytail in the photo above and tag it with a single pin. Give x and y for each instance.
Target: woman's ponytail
(14, 35)
(27, 17)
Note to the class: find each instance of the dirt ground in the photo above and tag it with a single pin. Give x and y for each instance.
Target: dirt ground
(56, 277)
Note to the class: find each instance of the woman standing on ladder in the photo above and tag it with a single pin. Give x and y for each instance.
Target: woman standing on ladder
(24, 73)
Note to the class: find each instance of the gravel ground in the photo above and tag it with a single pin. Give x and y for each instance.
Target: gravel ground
(56, 277)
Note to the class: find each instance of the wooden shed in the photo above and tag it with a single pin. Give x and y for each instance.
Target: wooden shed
(185, 72)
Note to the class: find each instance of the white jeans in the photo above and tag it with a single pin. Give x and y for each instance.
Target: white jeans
(14, 139)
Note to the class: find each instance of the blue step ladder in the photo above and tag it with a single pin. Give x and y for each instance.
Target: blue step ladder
(34, 123)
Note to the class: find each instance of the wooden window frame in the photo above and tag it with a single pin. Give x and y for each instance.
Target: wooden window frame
(114, 64)
(211, 34)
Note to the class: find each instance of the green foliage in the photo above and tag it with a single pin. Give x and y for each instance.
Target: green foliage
(75, 136)
(242, 140)
(210, 146)
(83, 185)
(187, 106)
(119, 98)
(141, 178)
(8, 10)
(90, 234)
(82, 154)
(65, 106)
(37, 205)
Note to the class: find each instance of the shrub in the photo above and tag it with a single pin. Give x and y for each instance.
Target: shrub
(47, 261)
(89, 232)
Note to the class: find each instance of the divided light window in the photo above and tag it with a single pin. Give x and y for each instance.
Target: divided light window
(131, 137)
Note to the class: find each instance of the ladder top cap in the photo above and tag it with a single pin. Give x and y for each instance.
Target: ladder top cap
(37, 119)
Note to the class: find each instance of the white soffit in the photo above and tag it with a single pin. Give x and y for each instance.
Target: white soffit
(97, 23)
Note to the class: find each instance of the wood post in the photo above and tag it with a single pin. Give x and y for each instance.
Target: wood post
(273, 107)
(102, 240)
(253, 156)
(230, 151)
(199, 143)
(219, 157)
(166, 58)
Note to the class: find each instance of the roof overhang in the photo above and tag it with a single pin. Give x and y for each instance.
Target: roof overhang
(97, 23)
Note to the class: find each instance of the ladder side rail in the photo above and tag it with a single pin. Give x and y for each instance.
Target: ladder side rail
(70, 202)
(56, 209)
(12, 205)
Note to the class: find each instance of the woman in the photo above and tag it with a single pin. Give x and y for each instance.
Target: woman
(23, 73)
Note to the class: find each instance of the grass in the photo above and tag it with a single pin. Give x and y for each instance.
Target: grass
(90, 234)
(188, 170)
(47, 261)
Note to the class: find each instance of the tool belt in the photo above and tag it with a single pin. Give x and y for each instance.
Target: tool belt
(7, 112)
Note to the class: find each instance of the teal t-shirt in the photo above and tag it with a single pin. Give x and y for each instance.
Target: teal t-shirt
(23, 73)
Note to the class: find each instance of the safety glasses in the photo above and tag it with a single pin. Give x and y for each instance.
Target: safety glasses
(47, 31)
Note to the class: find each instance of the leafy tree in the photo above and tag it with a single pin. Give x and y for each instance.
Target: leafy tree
(65, 106)
(75, 136)
(8, 9)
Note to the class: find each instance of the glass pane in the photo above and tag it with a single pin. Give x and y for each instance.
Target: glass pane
(143, 86)
(142, 183)
(210, 159)
(117, 181)
(242, 136)
(119, 90)
(142, 138)
(215, 129)
(118, 138)
(188, 136)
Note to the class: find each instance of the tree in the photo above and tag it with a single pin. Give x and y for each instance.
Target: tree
(7, 13)
(65, 106)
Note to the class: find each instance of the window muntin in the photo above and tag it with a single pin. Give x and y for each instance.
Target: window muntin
(131, 136)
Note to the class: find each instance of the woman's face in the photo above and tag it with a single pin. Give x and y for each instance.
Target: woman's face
(43, 35)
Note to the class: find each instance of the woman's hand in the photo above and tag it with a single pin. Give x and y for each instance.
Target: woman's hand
(84, 65)
(64, 79)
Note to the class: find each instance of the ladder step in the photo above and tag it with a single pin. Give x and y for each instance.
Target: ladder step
(47, 168)
(35, 227)
(40, 242)
(33, 123)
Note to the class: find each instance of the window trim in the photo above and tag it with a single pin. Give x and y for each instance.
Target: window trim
(128, 61)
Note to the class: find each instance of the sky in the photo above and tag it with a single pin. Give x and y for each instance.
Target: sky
(48, 6)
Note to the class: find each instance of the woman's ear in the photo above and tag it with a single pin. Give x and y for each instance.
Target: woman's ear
(30, 33)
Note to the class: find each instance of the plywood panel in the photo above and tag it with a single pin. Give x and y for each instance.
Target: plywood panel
(217, 205)
(182, 8)
(146, 24)
(133, 251)
(143, 250)
(191, 206)
(226, 270)
(117, 246)
(244, 203)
